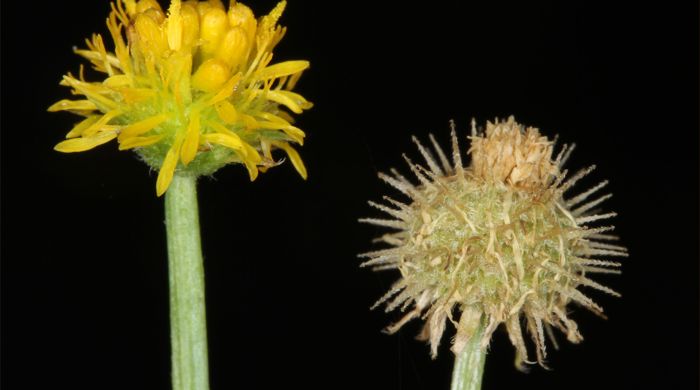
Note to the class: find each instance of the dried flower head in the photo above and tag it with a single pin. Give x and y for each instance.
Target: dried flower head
(497, 241)
(192, 90)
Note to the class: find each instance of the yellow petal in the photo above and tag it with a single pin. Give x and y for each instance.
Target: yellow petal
(252, 154)
(174, 25)
(227, 112)
(282, 69)
(79, 105)
(274, 118)
(226, 90)
(191, 142)
(250, 122)
(296, 134)
(229, 140)
(100, 124)
(82, 125)
(94, 91)
(97, 54)
(292, 81)
(85, 143)
(249, 156)
(133, 95)
(286, 117)
(265, 147)
(294, 157)
(141, 127)
(252, 170)
(293, 101)
(177, 70)
(120, 49)
(167, 170)
(138, 142)
(218, 127)
(118, 80)
(252, 158)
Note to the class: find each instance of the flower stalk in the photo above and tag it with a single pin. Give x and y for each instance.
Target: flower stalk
(469, 364)
(188, 323)
(190, 88)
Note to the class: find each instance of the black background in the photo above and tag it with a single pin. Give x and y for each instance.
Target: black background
(84, 278)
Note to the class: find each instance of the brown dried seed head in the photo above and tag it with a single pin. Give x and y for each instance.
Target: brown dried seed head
(512, 154)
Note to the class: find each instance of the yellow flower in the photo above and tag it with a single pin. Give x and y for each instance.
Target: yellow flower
(495, 242)
(190, 90)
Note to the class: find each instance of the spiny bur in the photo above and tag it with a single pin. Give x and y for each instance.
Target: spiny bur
(495, 242)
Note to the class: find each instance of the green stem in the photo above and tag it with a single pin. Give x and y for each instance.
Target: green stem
(469, 364)
(188, 321)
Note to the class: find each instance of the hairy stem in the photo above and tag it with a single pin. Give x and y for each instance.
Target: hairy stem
(188, 322)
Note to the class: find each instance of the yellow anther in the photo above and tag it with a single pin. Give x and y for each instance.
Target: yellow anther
(239, 15)
(190, 24)
(149, 36)
(175, 25)
(144, 5)
(217, 4)
(201, 6)
(233, 49)
(156, 14)
(211, 75)
(212, 30)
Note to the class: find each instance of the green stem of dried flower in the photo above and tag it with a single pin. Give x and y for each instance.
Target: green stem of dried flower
(188, 322)
(469, 364)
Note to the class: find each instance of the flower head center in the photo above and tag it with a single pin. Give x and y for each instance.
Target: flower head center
(514, 155)
(189, 88)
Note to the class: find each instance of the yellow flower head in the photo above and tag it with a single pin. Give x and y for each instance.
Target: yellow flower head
(495, 242)
(189, 89)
